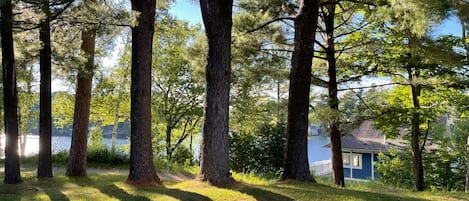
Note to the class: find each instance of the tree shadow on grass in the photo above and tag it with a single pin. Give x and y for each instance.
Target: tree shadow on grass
(183, 195)
(261, 194)
(115, 192)
(51, 189)
(9, 192)
(323, 192)
(118, 193)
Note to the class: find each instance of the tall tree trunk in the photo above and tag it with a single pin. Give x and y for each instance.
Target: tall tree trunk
(191, 150)
(44, 167)
(279, 121)
(10, 95)
(168, 141)
(417, 164)
(466, 47)
(296, 164)
(1, 145)
(76, 166)
(142, 170)
(217, 17)
(467, 165)
(336, 144)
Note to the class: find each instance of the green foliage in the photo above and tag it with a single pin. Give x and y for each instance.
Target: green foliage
(177, 96)
(447, 165)
(260, 152)
(62, 109)
(446, 170)
(183, 156)
(103, 156)
(60, 157)
(96, 138)
(96, 156)
(395, 168)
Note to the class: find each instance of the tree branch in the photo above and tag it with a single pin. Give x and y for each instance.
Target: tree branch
(426, 136)
(319, 82)
(373, 86)
(270, 22)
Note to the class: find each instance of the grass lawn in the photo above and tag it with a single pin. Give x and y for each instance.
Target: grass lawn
(108, 185)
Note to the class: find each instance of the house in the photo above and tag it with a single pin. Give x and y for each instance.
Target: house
(360, 150)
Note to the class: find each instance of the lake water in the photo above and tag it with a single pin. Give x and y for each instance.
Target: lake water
(59, 143)
(316, 149)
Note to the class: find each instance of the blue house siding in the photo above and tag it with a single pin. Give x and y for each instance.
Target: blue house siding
(346, 172)
(375, 160)
(365, 173)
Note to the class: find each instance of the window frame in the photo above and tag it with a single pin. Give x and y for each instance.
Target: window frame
(350, 156)
(346, 155)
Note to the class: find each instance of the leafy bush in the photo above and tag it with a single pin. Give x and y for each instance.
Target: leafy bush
(445, 170)
(100, 154)
(260, 153)
(96, 137)
(60, 157)
(182, 155)
(395, 168)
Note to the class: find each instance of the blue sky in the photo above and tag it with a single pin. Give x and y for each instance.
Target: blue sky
(449, 26)
(187, 10)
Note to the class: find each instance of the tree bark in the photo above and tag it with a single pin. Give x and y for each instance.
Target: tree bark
(217, 17)
(168, 141)
(296, 164)
(417, 164)
(44, 167)
(142, 170)
(10, 96)
(466, 47)
(336, 144)
(467, 167)
(76, 166)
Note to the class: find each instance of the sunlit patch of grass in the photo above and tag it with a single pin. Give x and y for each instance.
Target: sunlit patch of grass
(251, 178)
(211, 192)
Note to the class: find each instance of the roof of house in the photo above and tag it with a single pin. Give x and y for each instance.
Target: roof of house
(367, 138)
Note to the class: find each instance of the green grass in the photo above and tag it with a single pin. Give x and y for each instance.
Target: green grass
(109, 185)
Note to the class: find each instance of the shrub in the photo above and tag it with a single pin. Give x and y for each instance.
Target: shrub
(395, 168)
(60, 157)
(261, 153)
(100, 154)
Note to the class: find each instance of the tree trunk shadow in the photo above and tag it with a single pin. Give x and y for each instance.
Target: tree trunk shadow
(116, 192)
(261, 194)
(55, 194)
(183, 195)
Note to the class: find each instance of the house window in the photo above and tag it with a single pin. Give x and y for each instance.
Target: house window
(352, 160)
(356, 161)
(346, 159)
